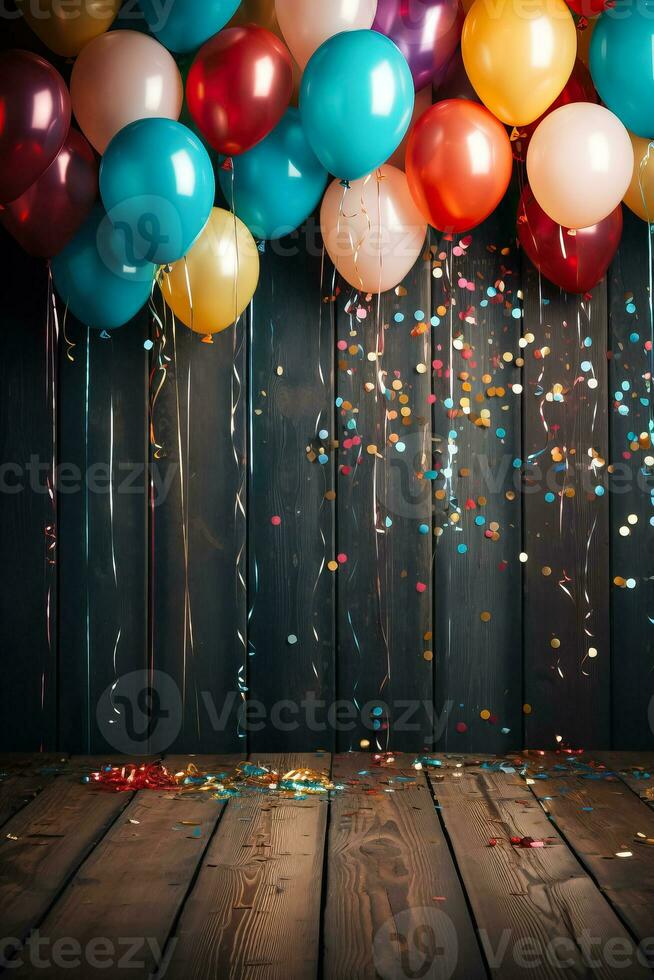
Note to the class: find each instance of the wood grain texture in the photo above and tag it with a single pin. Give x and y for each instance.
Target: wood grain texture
(22, 778)
(477, 506)
(198, 533)
(290, 590)
(103, 523)
(149, 857)
(384, 585)
(394, 904)
(600, 818)
(255, 908)
(635, 769)
(567, 662)
(44, 846)
(534, 907)
(26, 452)
(631, 486)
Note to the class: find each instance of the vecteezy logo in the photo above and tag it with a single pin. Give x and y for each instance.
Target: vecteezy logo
(141, 712)
(417, 944)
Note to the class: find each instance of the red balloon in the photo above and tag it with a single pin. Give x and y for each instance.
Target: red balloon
(589, 8)
(50, 213)
(578, 88)
(34, 120)
(239, 87)
(458, 164)
(574, 262)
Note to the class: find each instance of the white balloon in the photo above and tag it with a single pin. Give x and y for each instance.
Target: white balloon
(306, 24)
(579, 164)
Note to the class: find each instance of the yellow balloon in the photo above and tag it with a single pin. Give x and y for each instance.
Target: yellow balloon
(518, 55)
(66, 30)
(640, 193)
(211, 286)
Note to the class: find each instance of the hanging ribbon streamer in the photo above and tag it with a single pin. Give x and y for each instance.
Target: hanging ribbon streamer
(51, 527)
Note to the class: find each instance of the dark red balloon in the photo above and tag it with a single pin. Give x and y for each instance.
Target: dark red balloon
(239, 87)
(578, 88)
(589, 8)
(34, 120)
(574, 262)
(50, 213)
(455, 83)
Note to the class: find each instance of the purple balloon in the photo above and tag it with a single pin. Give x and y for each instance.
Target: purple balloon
(426, 32)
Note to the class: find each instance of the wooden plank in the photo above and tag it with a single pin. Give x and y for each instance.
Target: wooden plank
(290, 590)
(384, 586)
(567, 665)
(636, 770)
(22, 777)
(148, 858)
(535, 907)
(28, 704)
(477, 507)
(103, 523)
(394, 904)
(255, 907)
(631, 485)
(198, 531)
(600, 818)
(45, 844)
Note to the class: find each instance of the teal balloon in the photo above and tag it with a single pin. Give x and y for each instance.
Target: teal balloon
(157, 183)
(622, 65)
(278, 183)
(184, 25)
(356, 102)
(97, 277)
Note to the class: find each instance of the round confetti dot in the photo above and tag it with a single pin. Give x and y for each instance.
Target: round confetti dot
(323, 434)
(400, 446)
(599, 491)
(419, 315)
(555, 643)
(462, 548)
(421, 587)
(423, 529)
(364, 743)
(624, 531)
(632, 519)
(461, 727)
(399, 317)
(292, 639)
(526, 709)
(592, 653)
(523, 556)
(428, 655)
(148, 345)
(275, 521)
(332, 566)
(500, 433)
(341, 559)
(550, 498)
(631, 583)
(485, 714)
(546, 570)
(485, 617)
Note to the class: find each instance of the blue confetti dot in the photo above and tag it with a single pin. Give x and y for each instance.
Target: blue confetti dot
(491, 291)
(388, 522)
(435, 321)
(323, 458)
(148, 345)
(377, 711)
(351, 424)
(634, 338)
(431, 475)
(631, 307)
(399, 317)
(549, 497)
(588, 341)
(484, 303)
(625, 386)
(462, 548)
(423, 529)
(292, 639)
(517, 463)
(586, 366)
(323, 434)
(516, 313)
(400, 446)
(480, 520)
(599, 491)
(419, 315)
(339, 402)
(451, 434)
(619, 396)
(448, 403)
(500, 433)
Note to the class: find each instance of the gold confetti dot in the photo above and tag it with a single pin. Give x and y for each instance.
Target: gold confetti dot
(555, 643)
(364, 743)
(332, 566)
(485, 617)
(526, 709)
(547, 570)
(485, 714)
(371, 450)
(428, 655)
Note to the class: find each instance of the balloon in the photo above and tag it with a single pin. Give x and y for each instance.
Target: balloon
(120, 77)
(455, 83)
(422, 103)
(67, 31)
(621, 66)
(261, 13)
(427, 33)
(34, 120)
(157, 184)
(278, 183)
(578, 88)
(640, 193)
(458, 163)
(101, 283)
(50, 212)
(584, 38)
(210, 288)
(372, 230)
(306, 24)
(356, 102)
(184, 25)
(579, 164)
(588, 8)
(519, 62)
(573, 261)
(239, 87)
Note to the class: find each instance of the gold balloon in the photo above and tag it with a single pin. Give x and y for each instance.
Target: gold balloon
(66, 31)
(518, 58)
(211, 286)
(262, 13)
(640, 193)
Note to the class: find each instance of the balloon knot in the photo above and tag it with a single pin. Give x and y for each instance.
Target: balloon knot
(208, 339)
(227, 164)
(261, 246)
(346, 184)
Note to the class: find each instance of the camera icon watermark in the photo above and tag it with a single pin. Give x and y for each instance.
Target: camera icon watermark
(416, 944)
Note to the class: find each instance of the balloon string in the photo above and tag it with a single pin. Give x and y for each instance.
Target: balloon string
(649, 470)
(51, 527)
(87, 388)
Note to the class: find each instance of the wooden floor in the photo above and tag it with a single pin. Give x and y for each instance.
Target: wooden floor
(538, 866)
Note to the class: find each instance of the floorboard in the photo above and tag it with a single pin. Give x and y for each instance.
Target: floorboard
(535, 907)
(255, 907)
(600, 819)
(22, 778)
(394, 902)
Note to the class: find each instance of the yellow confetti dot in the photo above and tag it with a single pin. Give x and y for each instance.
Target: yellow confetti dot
(526, 709)
(485, 714)
(485, 617)
(547, 570)
(364, 743)
(592, 653)
(332, 566)
(371, 450)
(428, 655)
(555, 643)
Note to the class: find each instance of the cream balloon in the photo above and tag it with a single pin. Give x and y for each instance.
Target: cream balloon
(306, 24)
(422, 103)
(120, 77)
(372, 230)
(579, 164)
(211, 286)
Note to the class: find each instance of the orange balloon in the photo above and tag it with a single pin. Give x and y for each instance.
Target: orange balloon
(458, 164)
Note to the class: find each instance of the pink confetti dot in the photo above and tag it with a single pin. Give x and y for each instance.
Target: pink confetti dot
(275, 521)
(346, 470)
(342, 345)
(341, 559)
(431, 399)
(421, 587)
(461, 727)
